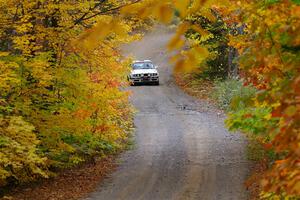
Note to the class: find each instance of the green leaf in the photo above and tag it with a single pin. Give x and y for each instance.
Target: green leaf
(296, 2)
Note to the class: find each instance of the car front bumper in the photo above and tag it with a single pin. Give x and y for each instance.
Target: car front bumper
(144, 79)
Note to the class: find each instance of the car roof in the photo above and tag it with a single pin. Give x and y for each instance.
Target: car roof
(141, 61)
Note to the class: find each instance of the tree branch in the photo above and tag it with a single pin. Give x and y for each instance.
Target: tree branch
(85, 17)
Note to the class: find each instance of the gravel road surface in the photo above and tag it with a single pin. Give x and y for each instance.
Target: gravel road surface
(182, 149)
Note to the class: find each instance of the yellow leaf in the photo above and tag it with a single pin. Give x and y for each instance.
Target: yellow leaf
(195, 7)
(200, 30)
(208, 14)
(176, 43)
(291, 111)
(4, 54)
(182, 6)
(164, 13)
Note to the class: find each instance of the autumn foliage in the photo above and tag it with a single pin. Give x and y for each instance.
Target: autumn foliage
(61, 76)
(270, 60)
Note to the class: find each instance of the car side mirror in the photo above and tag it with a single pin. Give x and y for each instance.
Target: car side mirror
(155, 66)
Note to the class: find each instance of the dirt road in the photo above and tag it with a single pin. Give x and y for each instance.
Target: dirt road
(182, 149)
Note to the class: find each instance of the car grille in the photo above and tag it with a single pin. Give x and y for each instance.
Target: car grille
(145, 75)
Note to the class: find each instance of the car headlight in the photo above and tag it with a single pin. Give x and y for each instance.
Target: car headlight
(136, 75)
(154, 74)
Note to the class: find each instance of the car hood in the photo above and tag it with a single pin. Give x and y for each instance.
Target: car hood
(144, 71)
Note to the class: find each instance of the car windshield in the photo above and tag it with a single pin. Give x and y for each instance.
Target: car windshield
(142, 65)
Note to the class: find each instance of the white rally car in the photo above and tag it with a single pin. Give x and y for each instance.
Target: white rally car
(143, 72)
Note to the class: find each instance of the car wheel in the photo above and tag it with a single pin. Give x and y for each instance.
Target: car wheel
(157, 83)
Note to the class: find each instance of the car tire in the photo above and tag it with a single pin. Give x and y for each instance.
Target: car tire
(157, 83)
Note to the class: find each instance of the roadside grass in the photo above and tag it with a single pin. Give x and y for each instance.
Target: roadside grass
(224, 91)
(255, 151)
(196, 87)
